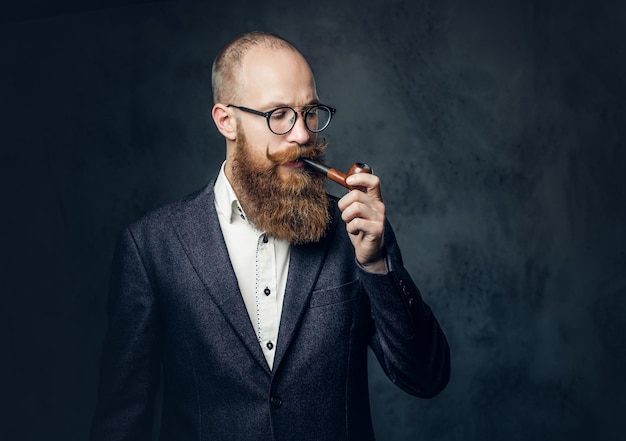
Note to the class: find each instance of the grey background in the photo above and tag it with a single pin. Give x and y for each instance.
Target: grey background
(496, 128)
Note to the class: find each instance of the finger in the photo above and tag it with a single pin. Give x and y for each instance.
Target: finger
(371, 183)
(357, 196)
(353, 228)
(357, 226)
(371, 227)
(372, 231)
(349, 198)
(368, 211)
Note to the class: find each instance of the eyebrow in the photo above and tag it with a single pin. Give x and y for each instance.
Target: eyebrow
(276, 104)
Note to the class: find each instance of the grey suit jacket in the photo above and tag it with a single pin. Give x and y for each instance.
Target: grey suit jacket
(176, 316)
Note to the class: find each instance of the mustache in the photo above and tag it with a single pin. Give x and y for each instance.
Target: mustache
(296, 152)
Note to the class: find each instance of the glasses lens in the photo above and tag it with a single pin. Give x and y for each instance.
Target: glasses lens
(282, 120)
(317, 118)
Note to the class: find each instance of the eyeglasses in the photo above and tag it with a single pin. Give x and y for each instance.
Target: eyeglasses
(282, 119)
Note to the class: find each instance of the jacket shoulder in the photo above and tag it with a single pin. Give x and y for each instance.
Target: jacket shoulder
(165, 215)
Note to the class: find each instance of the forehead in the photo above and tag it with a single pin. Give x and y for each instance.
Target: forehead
(276, 76)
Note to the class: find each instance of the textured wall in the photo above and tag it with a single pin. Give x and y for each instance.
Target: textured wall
(496, 127)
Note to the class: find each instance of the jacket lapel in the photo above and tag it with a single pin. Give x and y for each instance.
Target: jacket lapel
(199, 231)
(304, 267)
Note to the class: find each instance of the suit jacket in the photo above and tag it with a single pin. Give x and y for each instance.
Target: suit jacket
(177, 318)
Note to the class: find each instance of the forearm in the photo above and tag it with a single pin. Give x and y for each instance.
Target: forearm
(407, 339)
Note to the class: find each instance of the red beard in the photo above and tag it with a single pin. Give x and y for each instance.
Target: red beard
(294, 209)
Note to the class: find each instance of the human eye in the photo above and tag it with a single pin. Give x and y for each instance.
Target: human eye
(279, 114)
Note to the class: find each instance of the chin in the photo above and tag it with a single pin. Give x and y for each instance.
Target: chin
(294, 179)
(288, 173)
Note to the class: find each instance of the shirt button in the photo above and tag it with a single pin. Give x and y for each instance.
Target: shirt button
(270, 345)
(265, 239)
(267, 291)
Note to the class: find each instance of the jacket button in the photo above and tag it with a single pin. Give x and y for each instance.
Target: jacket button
(276, 402)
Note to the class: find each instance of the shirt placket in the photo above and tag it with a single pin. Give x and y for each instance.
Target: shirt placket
(266, 296)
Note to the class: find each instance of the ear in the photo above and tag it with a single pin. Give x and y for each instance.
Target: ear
(225, 121)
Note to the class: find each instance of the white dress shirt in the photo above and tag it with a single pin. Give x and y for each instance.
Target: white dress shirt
(260, 262)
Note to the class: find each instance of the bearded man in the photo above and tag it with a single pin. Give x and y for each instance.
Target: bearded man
(252, 303)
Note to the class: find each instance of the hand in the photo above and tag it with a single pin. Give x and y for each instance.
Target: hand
(364, 215)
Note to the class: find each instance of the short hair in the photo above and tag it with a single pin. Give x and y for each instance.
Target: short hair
(228, 62)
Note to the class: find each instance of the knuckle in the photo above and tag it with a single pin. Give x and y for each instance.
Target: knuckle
(381, 208)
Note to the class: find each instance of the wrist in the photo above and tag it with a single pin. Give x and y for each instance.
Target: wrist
(377, 267)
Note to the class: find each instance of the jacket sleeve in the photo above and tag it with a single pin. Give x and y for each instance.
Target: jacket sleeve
(406, 337)
(129, 368)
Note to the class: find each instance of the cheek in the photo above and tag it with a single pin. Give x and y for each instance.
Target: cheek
(257, 143)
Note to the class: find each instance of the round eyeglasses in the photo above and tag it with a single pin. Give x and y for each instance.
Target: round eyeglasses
(282, 119)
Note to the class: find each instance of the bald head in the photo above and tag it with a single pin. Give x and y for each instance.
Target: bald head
(227, 67)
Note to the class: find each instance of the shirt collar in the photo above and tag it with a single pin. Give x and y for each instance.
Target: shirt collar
(226, 199)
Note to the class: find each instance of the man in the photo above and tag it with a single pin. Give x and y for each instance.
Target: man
(254, 300)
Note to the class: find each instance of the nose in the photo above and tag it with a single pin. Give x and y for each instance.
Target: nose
(299, 133)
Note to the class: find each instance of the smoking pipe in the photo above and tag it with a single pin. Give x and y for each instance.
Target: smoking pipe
(337, 176)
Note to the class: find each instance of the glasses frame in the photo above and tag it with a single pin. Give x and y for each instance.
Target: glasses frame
(303, 113)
